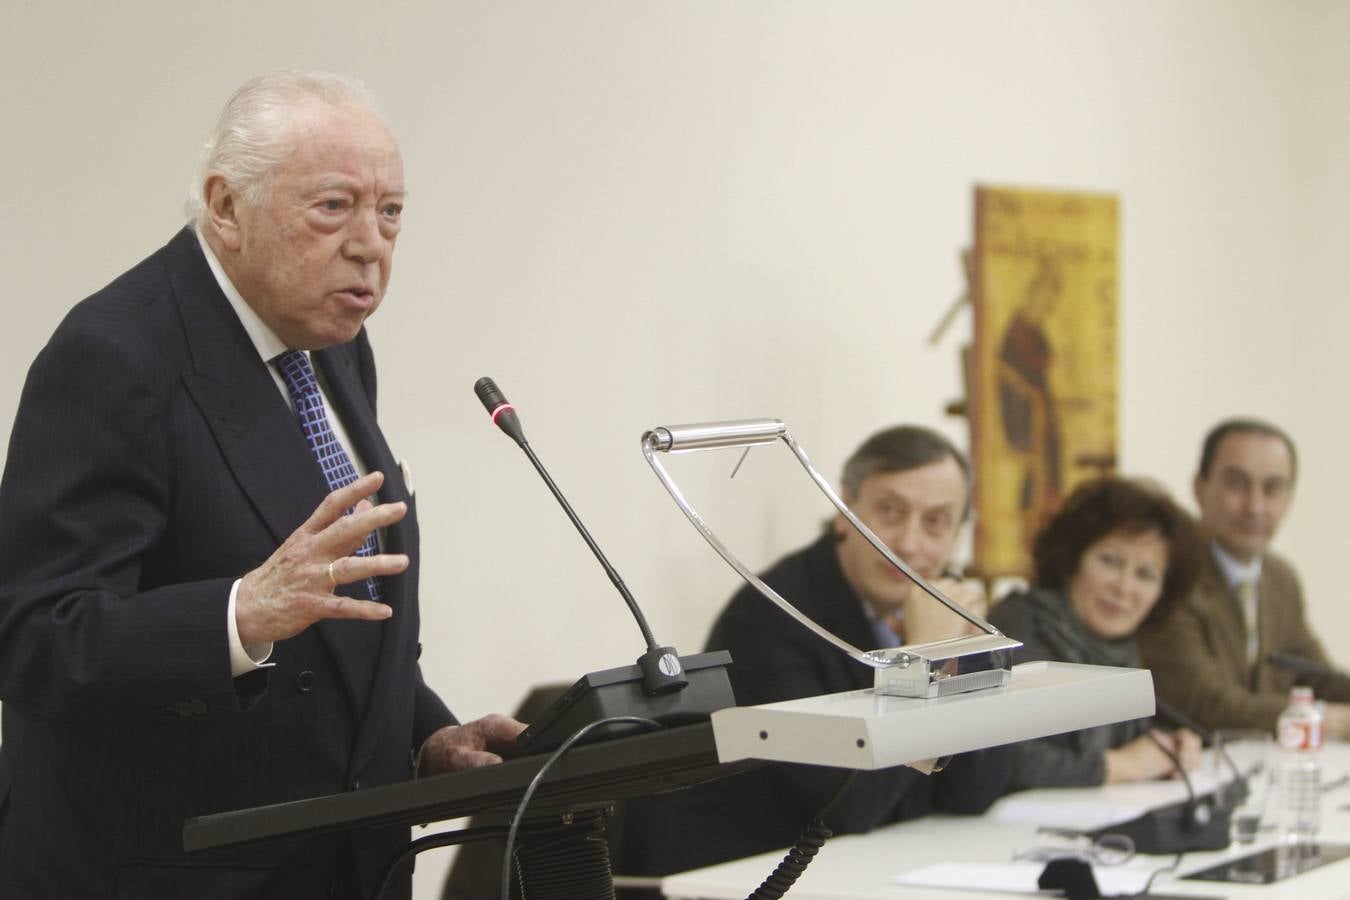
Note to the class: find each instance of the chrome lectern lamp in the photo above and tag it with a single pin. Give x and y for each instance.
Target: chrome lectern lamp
(927, 670)
(928, 701)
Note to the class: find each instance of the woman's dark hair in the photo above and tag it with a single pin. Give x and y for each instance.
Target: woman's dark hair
(1101, 506)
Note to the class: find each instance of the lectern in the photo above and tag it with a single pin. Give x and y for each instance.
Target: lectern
(569, 805)
(857, 729)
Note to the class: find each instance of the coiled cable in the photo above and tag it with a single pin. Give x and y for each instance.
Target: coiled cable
(801, 853)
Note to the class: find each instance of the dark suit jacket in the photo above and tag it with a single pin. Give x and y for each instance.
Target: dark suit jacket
(153, 461)
(773, 659)
(1198, 654)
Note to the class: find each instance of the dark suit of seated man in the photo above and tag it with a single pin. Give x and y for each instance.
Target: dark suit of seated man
(912, 488)
(205, 604)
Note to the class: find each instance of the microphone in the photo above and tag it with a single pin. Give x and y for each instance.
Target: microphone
(1198, 812)
(503, 413)
(1302, 665)
(504, 417)
(1194, 824)
(1177, 717)
(661, 670)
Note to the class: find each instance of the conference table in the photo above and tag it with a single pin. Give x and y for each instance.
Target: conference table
(977, 850)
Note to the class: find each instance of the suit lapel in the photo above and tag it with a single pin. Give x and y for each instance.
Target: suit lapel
(1227, 615)
(1268, 627)
(251, 422)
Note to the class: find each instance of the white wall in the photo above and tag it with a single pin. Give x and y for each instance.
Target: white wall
(634, 214)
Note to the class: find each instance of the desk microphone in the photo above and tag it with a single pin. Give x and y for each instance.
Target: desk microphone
(1179, 718)
(1195, 824)
(1303, 666)
(661, 671)
(1198, 811)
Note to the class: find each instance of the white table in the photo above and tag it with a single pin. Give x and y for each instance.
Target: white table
(862, 867)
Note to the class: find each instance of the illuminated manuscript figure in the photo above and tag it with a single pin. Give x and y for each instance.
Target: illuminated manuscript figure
(1026, 403)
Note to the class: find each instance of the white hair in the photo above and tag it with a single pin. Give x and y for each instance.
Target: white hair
(251, 135)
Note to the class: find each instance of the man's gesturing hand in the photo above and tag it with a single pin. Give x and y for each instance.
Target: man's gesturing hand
(293, 588)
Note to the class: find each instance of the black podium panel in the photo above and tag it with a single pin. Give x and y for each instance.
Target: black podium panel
(594, 773)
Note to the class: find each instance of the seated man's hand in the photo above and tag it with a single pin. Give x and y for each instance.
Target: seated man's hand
(293, 588)
(1186, 744)
(1143, 760)
(926, 619)
(481, 742)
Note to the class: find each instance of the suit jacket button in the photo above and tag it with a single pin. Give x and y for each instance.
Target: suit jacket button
(198, 707)
(356, 784)
(304, 682)
(183, 708)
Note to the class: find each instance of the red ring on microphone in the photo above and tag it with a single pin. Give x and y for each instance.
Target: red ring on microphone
(498, 411)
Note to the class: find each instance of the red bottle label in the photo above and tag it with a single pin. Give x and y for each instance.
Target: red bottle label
(1301, 734)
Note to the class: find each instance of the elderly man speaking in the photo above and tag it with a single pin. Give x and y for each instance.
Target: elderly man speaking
(208, 563)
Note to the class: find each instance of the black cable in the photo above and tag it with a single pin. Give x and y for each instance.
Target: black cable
(1197, 813)
(1179, 718)
(801, 853)
(431, 842)
(539, 777)
(1148, 885)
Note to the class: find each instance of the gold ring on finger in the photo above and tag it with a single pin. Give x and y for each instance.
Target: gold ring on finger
(332, 575)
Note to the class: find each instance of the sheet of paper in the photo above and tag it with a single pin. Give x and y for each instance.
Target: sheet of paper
(1087, 809)
(1017, 877)
(1073, 816)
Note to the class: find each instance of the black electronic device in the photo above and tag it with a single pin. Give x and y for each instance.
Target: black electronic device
(699, 683)
(618, 691)
(1272, 864)
(1302, 665)
(1200, 822)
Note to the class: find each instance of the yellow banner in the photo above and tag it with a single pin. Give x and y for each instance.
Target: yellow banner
(1042, 374)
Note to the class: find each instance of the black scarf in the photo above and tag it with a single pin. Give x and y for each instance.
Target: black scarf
(1068, 638)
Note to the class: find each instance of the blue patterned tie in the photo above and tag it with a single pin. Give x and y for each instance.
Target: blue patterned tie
(337, 466)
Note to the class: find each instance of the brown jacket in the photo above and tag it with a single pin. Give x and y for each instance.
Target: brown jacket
(1198, 655)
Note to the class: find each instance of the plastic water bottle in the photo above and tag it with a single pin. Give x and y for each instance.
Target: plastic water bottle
(1299, 781)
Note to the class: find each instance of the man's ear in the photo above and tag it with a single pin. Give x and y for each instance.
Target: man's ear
(840, 526)
(1196, 483)
(222, 210)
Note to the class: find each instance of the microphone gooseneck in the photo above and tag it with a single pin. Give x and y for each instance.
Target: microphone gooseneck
(1198, 812)
(1301, 665)
(1180, 719)
(662, 671)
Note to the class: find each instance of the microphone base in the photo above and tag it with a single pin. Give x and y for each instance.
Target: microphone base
(662, 671)
(1176, 828)
(619, 692)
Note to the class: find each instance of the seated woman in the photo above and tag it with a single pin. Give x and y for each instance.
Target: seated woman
(1118, 552)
